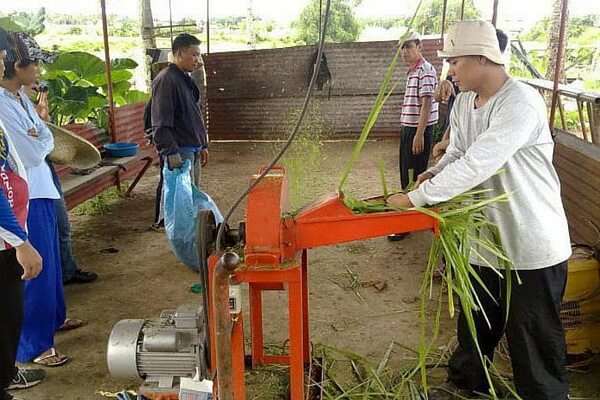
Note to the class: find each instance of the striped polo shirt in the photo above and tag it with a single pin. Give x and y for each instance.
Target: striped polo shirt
(420, 82)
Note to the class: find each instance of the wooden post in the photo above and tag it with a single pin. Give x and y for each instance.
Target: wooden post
(444, 11)
(495, 13)
(595, 123)
(207, 26)
(561, 108)
(109, 85)
(582, 121)
(559, 56)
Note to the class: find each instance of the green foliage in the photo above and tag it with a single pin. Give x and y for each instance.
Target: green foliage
(384, 22)
(126, 27)
(75, 30)
(101, 204)
(32, 23)
(8, 24)
(343, 25)
(429, 21)
(575, 28)
(78, 89)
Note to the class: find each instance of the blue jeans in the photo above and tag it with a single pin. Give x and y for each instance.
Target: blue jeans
(68, 263)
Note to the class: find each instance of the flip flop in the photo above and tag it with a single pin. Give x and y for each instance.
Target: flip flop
(44, 361)
(70, 324)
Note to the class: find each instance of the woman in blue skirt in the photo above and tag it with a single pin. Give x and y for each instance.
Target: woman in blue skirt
(44, 305)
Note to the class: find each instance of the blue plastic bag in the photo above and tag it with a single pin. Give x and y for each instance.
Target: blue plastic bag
(182, 201)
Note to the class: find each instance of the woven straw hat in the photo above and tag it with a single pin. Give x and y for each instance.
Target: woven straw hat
(472, 38)
(72, 150)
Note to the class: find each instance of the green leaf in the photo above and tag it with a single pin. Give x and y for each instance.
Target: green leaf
(8, 24)
(76, 93)
(96, 101)
(117, 76)
(136, 96)
(85, 65)
(119, 64)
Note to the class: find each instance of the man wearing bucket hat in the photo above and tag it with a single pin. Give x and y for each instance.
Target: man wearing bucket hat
(500, 123)
(419, 114)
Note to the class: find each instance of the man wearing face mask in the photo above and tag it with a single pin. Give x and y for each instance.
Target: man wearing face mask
(500, 123)
(177, 123)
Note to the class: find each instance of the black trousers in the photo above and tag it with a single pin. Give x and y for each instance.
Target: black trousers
(536, 339)
(11, 314)
(408, 161)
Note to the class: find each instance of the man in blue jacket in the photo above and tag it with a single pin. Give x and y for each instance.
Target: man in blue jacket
(177, 123)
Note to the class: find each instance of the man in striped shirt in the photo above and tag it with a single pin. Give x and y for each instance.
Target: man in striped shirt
(419, 115)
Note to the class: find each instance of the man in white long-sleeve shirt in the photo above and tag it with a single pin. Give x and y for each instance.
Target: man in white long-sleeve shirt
(499, 123)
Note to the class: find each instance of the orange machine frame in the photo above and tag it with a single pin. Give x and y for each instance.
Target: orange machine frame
(276, 259)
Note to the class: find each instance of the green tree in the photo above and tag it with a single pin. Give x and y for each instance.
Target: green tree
(343, 24)
(429, 19)
(575, 28)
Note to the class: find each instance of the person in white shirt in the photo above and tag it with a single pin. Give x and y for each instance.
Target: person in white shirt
(44, 305)
(500, 123)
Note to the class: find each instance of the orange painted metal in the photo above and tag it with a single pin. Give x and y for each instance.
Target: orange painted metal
(276, 259)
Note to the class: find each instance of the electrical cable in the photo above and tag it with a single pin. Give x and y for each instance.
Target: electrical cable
(291, 137)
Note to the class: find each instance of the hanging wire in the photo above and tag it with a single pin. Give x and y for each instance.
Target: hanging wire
(288, 143)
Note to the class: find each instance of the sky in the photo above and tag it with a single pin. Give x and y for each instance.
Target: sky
(287, 10)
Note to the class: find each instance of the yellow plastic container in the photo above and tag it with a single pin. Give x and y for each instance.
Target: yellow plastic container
(580, 310)
(583, 280)
(585, 339)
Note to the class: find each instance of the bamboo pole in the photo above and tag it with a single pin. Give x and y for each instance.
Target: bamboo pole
(109, 84)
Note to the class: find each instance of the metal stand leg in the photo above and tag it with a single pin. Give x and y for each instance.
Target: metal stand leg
(296, 333)
(305, 329)
(256, 325)
(238, 354)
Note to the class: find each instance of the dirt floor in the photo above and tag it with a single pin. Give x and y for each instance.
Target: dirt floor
(139, 276)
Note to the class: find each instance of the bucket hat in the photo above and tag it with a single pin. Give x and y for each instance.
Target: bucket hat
(472, 38)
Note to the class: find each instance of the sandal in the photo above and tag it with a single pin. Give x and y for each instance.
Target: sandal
(45, 360)
(70, 324)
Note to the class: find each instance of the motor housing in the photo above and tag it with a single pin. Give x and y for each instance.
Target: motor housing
(160, 349)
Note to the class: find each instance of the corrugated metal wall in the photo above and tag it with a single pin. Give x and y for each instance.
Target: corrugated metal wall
(254, 94)
(578, 163)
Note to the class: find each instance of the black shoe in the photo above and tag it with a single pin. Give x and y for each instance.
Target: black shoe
(81, 276)
(158, 226)
(27, 378)
(396, 237)
(4, 395)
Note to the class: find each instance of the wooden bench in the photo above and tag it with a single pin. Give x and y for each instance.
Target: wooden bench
(128, 128)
